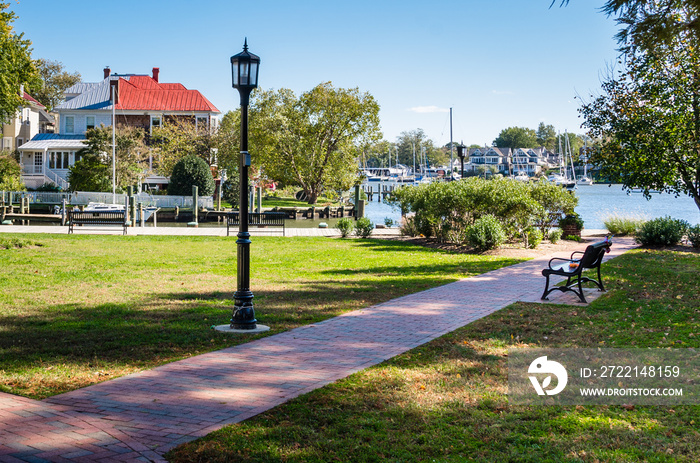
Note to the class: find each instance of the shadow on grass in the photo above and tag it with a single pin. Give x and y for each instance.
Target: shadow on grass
(61, 348)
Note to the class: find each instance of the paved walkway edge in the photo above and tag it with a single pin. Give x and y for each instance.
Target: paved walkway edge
(141, 416)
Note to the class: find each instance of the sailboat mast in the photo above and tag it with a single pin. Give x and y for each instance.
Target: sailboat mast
(451, 147)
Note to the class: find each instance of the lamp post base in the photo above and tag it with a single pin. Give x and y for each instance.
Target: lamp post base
(227, 329)
(243, 311)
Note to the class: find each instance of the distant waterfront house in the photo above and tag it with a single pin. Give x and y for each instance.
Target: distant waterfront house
(137, 100)
(497, 159)
(529, 161)
(29, 121)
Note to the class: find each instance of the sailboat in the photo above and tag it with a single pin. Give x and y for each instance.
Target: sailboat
(585, 180)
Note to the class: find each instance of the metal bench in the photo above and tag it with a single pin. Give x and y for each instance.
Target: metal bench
(573, 268)
(259, 219)
(97, 218)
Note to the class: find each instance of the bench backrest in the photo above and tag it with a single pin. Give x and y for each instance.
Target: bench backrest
(97, 216)
(259, 218)
(594, 253)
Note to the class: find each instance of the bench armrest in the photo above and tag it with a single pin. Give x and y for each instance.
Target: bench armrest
(574, 253)
(556, 258)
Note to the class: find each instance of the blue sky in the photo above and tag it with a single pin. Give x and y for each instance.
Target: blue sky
(497, 63)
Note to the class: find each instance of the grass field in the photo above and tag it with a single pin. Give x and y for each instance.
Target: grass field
(446, 401)
(80, 309)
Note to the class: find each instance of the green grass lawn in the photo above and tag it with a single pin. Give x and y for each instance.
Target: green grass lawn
(79, 309)
(446, 401)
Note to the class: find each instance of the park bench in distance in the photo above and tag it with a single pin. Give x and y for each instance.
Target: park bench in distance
(97, 218)
(259, 219)
(573, 268)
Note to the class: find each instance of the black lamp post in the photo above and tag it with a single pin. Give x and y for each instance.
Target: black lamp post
(244, 67)
(461, 153)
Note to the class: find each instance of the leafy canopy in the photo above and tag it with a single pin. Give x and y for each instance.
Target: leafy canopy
(516, 137)
(54, 81)
(16, 65)
(647, 118)
(314, 140)
(131, 156)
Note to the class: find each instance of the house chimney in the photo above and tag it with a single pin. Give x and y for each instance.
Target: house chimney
(156, 71)
(107, 71)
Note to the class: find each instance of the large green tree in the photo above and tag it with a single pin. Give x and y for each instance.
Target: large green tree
(516, 137)
(418, 141)
(546, 136)
(179, 137)
(54, 81)
(314, 140)
(647, 119)
(131, 157)
(10, 174)
(16, 65)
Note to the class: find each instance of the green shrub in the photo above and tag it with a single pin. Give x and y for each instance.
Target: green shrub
(663, 231)
(408, 227)
(555, 235)
(486, 233)
(572, 238)
(188, 172)
(345, 225)
(571, 219)
(534, 237)
(694, 236)
(364, 227)
(620, 226)
(388, 222)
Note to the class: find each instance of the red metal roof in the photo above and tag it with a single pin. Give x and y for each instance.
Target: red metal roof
(145, 93)
(28, 97)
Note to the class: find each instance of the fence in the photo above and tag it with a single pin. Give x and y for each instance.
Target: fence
(83, 198)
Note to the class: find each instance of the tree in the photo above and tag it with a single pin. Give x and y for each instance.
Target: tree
(90, 173)
(10, 174)
(16, 66)
(188, 172)
(178, 138)
(312, 141)
(546, 136)
(646, 24)
(131, 155)
(416, 139)
(647, 120)
(54, 81)
(228, 146)
(516, 137)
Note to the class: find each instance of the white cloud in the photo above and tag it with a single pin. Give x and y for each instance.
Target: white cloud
(428, 109)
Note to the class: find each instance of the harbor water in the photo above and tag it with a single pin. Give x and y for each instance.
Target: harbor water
(596, 204)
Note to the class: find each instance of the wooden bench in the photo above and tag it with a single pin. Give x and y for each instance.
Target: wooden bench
(97, 218)
(573, 268)
(259, 219)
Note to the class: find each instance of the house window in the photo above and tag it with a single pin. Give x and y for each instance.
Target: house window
(156, 121)
(201, 122)
(89, 122)
(77, 157)
(58, 159)
(70, 124)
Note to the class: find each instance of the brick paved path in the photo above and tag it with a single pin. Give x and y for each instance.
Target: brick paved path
(141, 416)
